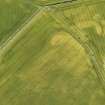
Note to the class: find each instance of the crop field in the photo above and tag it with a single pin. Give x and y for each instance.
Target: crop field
(52, 52)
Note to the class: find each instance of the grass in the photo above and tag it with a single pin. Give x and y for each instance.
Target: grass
(54, 58)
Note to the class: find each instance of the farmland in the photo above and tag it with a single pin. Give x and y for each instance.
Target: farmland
(52, 53)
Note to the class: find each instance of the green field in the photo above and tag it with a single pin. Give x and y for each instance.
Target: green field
(52, 52)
